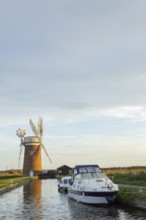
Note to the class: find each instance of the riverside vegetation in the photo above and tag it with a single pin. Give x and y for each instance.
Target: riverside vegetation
(11, 177)
(135, 189)
(132, 184)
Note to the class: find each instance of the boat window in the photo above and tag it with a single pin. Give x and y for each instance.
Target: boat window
(65, 181)
(99, 180)
(75, 171)
(82, 170)
(97, 170)
(90, 169)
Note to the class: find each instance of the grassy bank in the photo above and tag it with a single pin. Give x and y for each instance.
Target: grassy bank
(132, 196)
(138, 179)
(10, 181)
(133, 191)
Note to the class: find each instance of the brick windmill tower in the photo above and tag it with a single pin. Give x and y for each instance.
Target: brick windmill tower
(32, 164)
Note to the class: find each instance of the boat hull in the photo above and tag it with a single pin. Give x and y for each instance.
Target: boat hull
(93, 197)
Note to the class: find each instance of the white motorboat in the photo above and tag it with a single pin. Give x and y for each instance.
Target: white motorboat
(64, 183)
(91, 186)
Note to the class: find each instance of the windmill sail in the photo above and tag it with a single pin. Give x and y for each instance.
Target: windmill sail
(40, 127)
(39, 133)
(33, 127)
(42, 145)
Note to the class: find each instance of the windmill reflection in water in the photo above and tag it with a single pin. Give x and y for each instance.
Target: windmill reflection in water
(32, 197)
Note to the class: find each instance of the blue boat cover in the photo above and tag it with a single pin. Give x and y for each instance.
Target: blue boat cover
(86, 169)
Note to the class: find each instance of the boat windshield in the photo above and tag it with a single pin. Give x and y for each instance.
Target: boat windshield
(91, 172)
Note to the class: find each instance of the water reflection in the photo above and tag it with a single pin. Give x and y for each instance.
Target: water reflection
(40, 200)
(32, 200)
(113, 212)
(92, 212)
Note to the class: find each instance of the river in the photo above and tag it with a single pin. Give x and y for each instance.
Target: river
(40, 200)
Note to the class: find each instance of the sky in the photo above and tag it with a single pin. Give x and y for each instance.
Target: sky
(80, 64)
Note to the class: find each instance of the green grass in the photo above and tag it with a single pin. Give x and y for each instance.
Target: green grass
(130, 194)
(9, 181)
(130, 179)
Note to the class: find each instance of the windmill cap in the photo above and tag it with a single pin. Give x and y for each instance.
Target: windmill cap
(31, 139)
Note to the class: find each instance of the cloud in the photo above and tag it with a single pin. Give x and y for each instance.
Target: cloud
(79, 64)
(73, 116)
(128, 112)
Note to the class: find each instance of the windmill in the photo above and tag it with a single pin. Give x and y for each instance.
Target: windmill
(32, 164)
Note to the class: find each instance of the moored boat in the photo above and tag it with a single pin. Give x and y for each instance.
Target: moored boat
(64, 183)
(91, 186)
